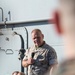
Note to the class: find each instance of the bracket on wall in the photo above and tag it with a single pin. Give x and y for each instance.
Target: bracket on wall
(9, 51)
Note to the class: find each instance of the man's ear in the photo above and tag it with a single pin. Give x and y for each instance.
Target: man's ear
(56, 21)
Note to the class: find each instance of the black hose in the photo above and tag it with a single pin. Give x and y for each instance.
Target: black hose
(22, 50)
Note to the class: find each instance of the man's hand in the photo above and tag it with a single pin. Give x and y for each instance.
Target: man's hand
(30, 61)
(26, 63)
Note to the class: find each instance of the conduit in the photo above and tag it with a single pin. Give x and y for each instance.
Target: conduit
(21, 51)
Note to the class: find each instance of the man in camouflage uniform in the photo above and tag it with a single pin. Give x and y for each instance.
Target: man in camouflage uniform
(65, 23)
(67, 67)
(41, 57)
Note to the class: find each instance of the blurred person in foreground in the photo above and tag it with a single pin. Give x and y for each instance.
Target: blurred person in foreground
(17, 73)
(65, 24)
(40, 58)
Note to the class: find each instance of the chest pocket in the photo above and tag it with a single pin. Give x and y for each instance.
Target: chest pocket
(40, 57)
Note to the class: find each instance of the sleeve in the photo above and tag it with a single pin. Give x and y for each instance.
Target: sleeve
(52, 57)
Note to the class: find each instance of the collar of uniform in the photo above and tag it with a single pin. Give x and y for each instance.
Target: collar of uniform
(40, 45)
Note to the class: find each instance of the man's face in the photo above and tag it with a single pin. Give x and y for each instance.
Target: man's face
(37, 38)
